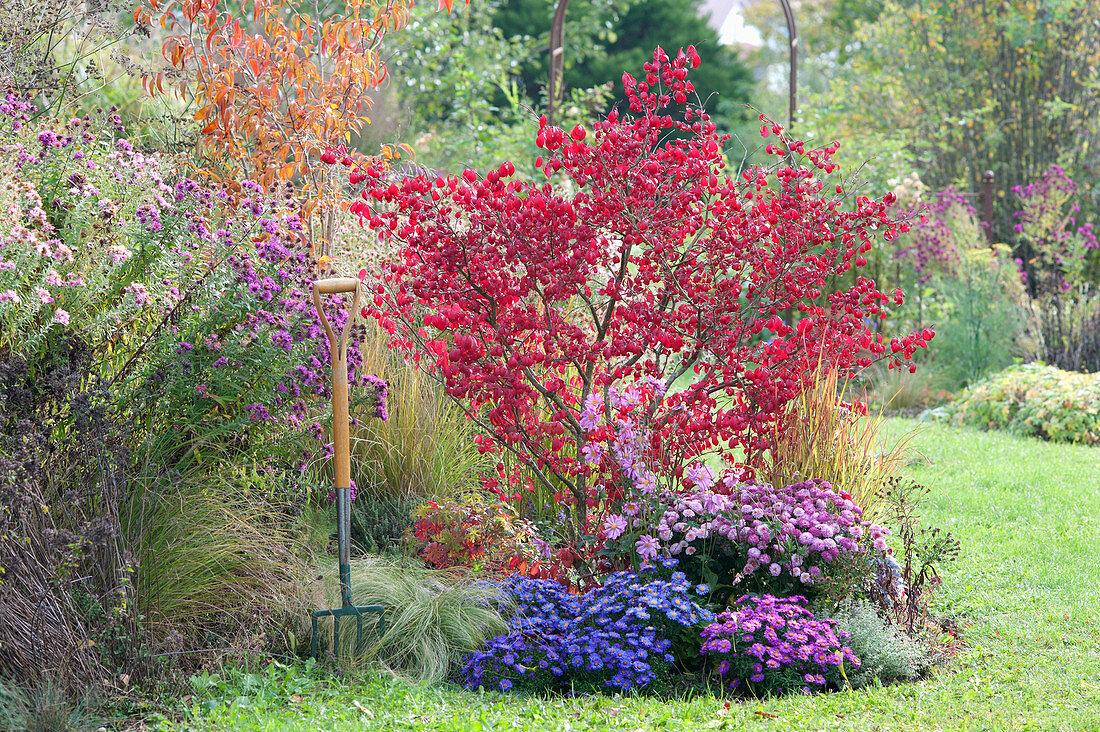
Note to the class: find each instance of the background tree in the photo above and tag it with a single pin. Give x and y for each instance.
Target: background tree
(280, 88)
(965, 87)
(456, 95)
(604, 39)
(826, 41)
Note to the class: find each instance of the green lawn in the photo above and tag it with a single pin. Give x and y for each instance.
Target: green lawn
(1026, 588)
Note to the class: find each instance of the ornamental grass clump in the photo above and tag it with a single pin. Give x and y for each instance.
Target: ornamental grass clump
(829, 435)
(433, 619)
(771, 645)
(617, 636)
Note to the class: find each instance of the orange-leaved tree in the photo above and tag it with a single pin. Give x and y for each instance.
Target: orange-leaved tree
(280, 88)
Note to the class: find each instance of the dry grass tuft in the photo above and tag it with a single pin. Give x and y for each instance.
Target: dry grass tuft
(825, 437)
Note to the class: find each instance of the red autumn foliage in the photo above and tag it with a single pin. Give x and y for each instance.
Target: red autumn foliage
(527, 299)
(480, 532)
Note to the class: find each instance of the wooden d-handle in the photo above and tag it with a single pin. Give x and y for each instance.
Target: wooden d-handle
(332, 286)
(336, 284)
(339, 349)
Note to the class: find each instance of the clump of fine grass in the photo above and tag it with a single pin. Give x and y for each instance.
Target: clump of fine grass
(433, 619)
(43, 708)
(823, 436)
(211, 566)
(425, 448)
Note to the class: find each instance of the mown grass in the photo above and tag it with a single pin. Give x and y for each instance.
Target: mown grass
(1026, 591)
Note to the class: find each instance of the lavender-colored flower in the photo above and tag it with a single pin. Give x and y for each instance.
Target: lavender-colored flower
(592, 452)
(646, 483)
(590, 415)
(701, 476)
(647, 547)
(614, 526)
(381, 392)
(783, 531)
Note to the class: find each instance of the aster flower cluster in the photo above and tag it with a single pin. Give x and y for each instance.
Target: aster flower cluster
(771, 645)
(765, 538)
(68, 230)
(948, 223)
(1047, 223)
(724, 532)
(616, 636)
(207, 307)
(379, 392)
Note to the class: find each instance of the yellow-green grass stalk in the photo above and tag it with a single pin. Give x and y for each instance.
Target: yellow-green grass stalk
(823, 437)
(426, 446)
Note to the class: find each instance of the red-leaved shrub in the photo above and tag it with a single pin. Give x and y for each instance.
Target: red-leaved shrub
(639, 261)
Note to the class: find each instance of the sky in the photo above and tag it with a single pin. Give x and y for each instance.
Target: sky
(725, 16)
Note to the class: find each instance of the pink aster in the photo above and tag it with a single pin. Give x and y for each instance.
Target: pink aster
(118, 253)
(614, 526)
(701, 476)
(590, 416)
(593, 452)
(647, 547)
(646, 483)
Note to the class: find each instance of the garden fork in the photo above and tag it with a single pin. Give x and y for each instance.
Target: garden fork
(341, 462)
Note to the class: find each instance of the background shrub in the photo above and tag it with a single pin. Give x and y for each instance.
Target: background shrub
(984, 323)
(971, 293)
(1037, 400)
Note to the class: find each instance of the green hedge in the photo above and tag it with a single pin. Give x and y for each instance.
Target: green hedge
(1034, 399)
